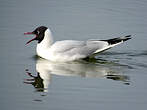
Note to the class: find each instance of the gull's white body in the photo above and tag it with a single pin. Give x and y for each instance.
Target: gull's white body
(69, 50)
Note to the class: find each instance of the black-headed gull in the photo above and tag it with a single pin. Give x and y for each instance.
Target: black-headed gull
(70, 50)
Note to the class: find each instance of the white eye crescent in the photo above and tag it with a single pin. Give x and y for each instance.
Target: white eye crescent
(38, 32)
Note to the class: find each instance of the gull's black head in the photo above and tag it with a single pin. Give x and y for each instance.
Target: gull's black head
(39, 32)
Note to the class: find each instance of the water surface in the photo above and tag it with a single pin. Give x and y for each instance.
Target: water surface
(115, 79)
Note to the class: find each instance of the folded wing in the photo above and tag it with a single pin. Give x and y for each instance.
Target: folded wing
(85, 49)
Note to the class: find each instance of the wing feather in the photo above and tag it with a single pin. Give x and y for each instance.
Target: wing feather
(66, 45)
(82, 48)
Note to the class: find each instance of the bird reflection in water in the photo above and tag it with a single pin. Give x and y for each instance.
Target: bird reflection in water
(36, 81)
(95, 68)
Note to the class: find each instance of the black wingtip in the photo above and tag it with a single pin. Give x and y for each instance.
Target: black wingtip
(127, 38)
(118, 39)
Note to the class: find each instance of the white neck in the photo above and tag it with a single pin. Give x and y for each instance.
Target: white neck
(45, 44)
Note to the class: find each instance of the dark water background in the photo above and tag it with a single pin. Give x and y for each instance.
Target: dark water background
(116, 80)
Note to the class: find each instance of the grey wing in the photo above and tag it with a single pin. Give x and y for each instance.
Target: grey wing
(86, 48)
(66, 45)
(96, 46)
(79, 48)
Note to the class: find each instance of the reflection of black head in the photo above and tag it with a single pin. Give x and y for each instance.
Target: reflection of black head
(40, 32)
(37, 82)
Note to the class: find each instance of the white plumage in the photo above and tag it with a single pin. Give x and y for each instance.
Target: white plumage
(67, 50)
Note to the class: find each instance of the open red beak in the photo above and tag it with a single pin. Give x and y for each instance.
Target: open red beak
(27, 33)
(30, 33)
